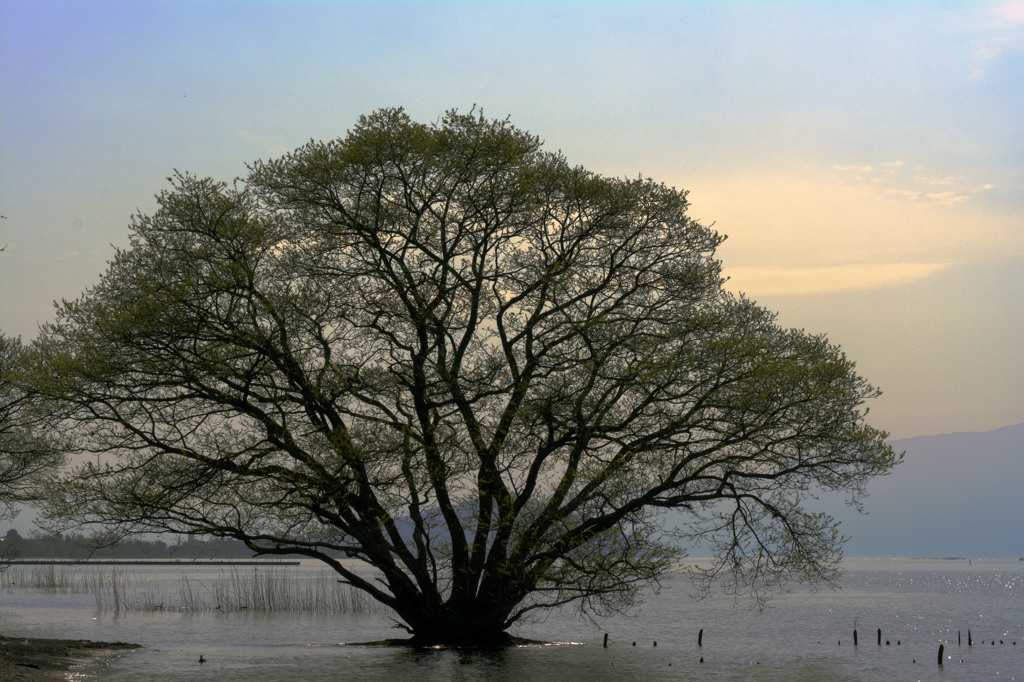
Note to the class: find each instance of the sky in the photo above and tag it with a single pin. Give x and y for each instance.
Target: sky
(865, 159)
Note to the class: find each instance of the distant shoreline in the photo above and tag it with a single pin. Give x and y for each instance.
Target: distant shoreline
(30, 658)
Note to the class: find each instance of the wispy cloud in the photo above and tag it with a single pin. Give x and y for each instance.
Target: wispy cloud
(814, 231)
(780, 281)
(900, 182)
(946, 198)
(904, 193)
(929, 180)
(1011, 11)
(1002, 32)
(269, 146)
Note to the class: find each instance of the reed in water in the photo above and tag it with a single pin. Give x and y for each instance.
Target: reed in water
(262, 589)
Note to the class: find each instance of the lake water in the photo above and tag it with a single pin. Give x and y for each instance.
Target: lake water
(802, 635)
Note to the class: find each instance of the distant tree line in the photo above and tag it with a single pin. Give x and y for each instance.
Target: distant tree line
(77, 546)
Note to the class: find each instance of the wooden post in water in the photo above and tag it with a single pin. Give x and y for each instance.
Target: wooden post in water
(879, 636)
(606, 640)
(970, 640)
(700, 637)
(941, 647)
(855, 636)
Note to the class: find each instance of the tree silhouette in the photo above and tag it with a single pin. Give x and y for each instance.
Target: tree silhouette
(448, 353)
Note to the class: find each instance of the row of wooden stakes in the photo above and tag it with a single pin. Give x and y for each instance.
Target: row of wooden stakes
(942, 647)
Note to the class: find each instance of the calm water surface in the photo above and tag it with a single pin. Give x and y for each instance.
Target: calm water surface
(802, 635)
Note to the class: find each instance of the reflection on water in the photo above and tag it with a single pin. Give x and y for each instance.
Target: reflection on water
(917, 605)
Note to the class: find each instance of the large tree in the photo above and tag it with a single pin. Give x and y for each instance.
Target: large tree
(28, 455)
(447, 352)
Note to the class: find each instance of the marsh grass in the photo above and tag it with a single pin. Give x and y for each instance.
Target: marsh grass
(261, 589)
(273, 590)
(121, 590)
(46, 577)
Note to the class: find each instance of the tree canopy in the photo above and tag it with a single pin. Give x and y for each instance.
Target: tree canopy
(445, 351)
(28, 454)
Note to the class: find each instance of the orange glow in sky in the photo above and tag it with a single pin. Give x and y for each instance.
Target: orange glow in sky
(866, 159)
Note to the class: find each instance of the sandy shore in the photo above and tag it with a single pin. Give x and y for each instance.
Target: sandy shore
(26, 658)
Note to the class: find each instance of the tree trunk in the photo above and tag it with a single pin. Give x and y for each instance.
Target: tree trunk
(461, 625)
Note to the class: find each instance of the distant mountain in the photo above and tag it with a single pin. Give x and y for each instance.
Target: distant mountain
(958, 494)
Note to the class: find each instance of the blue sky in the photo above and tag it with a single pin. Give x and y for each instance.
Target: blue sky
(866, 159)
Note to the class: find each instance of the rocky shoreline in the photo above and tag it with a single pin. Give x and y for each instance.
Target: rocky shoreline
(29, 658)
